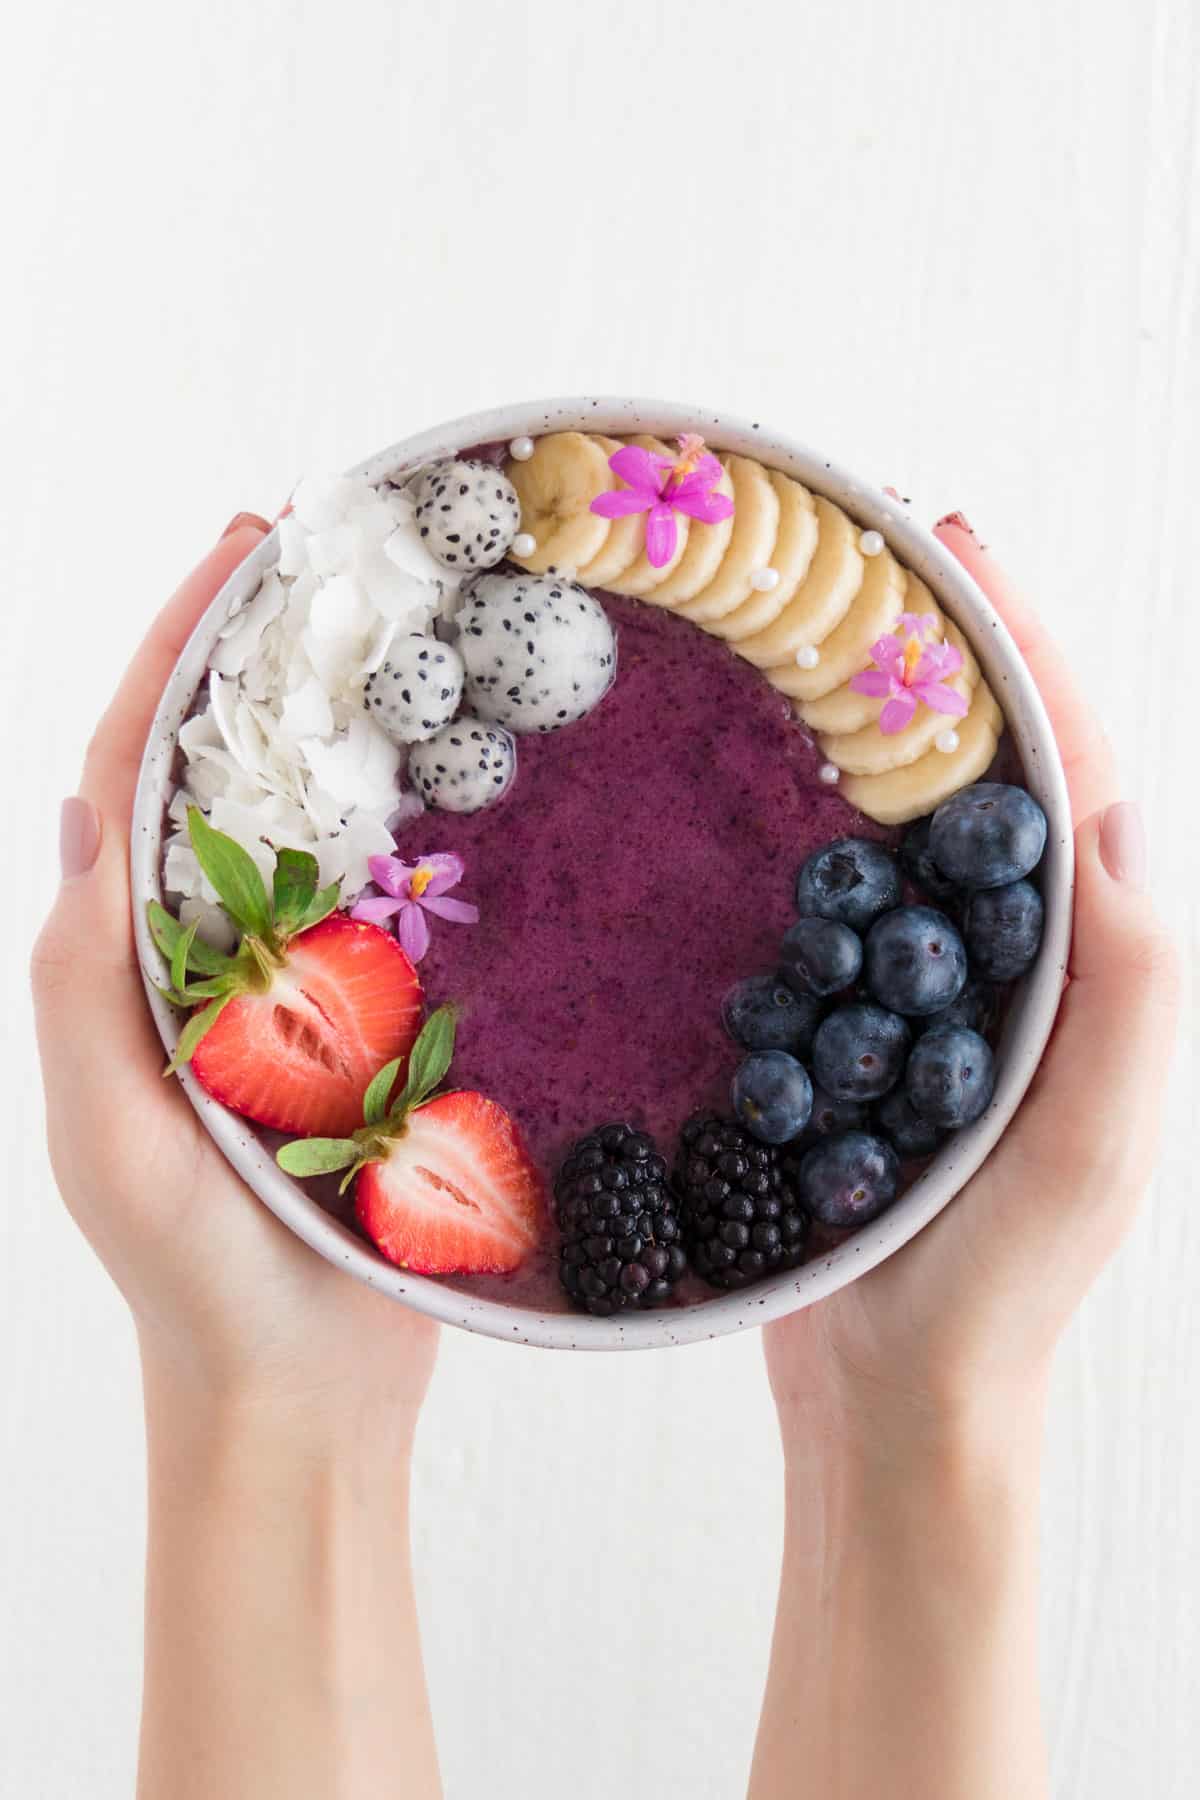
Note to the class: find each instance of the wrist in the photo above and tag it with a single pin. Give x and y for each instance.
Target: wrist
(243, 1426)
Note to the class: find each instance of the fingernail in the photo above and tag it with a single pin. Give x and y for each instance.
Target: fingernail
(244, 518)
(78, 837)
(1123, 844)
(959, 519)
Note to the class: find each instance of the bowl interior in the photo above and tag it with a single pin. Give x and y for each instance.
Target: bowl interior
(1028, 1022)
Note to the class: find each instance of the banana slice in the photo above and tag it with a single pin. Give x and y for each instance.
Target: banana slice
(823, 598)
(920, 787)
(755, 526)
(706, 548)
(625, 536)
(641, 577)
(556, 487)
(876, 606)
(795, 544)
(844, 710)
(870, 752)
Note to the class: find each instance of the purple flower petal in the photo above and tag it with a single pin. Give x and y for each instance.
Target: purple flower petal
(390, 874)
(642, 469)
(940, 699)
(377, 909)
(873, 682)
(413, 931)
(710, 509)
(661, 535)
(618, 503)
(462, 912)
(897, 713)
(448, 870)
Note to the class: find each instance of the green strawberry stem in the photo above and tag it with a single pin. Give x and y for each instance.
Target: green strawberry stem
(267, 924)
(428, 1063)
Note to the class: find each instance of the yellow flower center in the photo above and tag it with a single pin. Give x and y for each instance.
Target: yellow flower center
(913, 651)
(421, 878)
(691, 449)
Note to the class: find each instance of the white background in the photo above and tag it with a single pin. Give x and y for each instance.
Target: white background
(955, 243)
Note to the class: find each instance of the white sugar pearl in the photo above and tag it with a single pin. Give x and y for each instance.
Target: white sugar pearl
(828, 773)
(764, 580)
(946, 741)
(524, 544)
(521, 449)
(871, 543)
(808, 656)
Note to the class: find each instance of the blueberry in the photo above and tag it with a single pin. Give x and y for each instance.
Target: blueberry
(977, 1007)
(920, 867)
(987, 835)
(849, 1180)
(830, 1116)
(820, 957)
(950, 1076)
(905, 1129)
(772, 1096)
(859, 1051)
(851, 880)
(764, 1014)
(915, 960)
(1003, 929)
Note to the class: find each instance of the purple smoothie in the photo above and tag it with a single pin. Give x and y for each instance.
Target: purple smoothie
(643, 861)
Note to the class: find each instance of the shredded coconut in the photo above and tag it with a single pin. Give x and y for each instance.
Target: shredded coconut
(282, 752)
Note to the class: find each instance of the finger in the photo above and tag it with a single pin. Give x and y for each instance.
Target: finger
(1083, 1141)
(1086, 755)
(115, 754)
(86, 984)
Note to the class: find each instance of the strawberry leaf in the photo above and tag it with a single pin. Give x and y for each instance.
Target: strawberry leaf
(233, 873)
(429, 1060)
(295, 887)
(194, 1030)
(166, 931)
(179, 956)
(320, 907)
(376, 1097)
(317, 1156)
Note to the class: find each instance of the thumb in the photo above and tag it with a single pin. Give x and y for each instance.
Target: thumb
(1084, 1138)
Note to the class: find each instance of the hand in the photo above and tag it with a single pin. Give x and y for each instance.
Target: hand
(964, 1318)
(224, 1297)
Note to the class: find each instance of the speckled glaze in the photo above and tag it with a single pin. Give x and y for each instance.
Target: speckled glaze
(1028, 1024)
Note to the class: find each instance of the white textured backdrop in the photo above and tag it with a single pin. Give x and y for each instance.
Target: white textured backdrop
(954, 242)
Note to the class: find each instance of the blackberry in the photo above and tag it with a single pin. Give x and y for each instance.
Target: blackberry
(621, 1234)
(741, 1217)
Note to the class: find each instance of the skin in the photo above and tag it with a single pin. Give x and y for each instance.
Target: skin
(282, 1652)
(911, 1403)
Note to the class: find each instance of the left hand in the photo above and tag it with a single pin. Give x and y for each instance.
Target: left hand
(226, 1300)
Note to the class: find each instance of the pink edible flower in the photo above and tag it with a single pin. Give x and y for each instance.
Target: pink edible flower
(412, 890)
(911, 666)
(661, 486)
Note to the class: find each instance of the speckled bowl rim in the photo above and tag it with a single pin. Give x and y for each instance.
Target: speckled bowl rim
(1030, 1019)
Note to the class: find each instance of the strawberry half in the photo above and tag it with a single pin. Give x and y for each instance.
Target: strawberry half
(290, 1029)
(445, 1186)
(300, 1056)
(456, 1193)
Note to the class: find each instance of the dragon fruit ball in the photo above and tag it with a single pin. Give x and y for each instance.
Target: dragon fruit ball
(416, 690)
(539, 651)
(465, 766)
(467, 513)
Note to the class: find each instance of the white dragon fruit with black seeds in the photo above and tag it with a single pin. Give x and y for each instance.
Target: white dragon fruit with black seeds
(467, 513)
(539, 651)
(465, 766)
(417, 688)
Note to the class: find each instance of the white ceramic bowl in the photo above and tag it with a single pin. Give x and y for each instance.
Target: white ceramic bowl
(1029, 1020)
